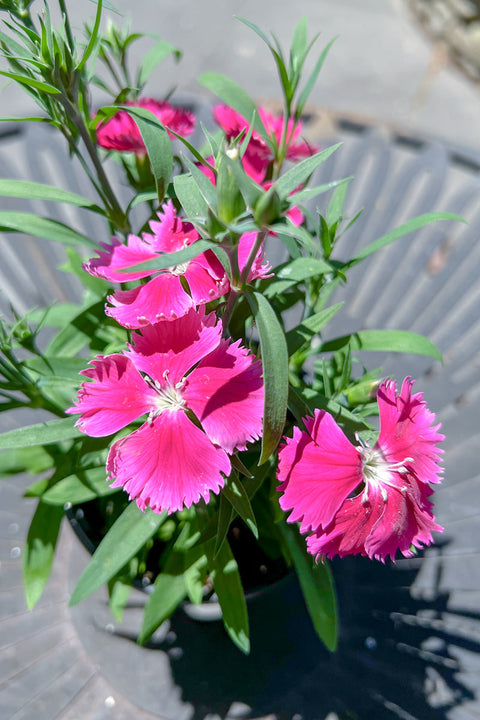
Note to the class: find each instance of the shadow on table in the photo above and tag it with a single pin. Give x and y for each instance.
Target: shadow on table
(394, 657)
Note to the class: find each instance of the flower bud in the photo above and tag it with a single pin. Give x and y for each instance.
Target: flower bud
(268, 208)
(230, 201)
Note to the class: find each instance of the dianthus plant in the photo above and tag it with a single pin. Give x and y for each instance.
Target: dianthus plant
(191, 412)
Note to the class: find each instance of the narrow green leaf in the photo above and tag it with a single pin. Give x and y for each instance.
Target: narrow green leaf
(33, 460)
(229, 590)
(157, 142)
(275, 372)
(384, 341)
(304, 332)
(45, 433)
(93, 37)
(171, 259)
(224, 520)
(30, 224)
(399, 232)
(195, 571)
(190, 197)
(335, 206)
(40, 550)
(124, 539)
(303, 268)
(235, 96)
(205, 187)
(237, 496)
(301, 171)
(31, 82)
(153, 58)
(312, 79)
(168, 592)
(308, 193)
(33, 190)
(317, 586)
(80, 487)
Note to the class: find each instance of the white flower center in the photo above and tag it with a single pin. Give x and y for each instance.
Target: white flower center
(168, 396)
(179, 269)
(377, 471)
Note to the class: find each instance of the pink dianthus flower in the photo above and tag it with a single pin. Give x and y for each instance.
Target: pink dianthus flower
(364, 500)
(203, 396)
(163, 297)
(121, 132)
(259, 154)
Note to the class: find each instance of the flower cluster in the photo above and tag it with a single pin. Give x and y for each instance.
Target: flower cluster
(203, 394)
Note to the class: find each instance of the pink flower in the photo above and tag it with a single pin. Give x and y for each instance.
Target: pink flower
(204, 399)
(258, 154)
(163, 297)
(359, 499)
(121, 131)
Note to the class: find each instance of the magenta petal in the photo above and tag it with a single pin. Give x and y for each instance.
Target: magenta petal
(176, 346)
(260, 267)
(168, 464)
(379, 527)
(407, 430)
(206, 278)
(117, 397)
(118, 256)
(170, 233)
(318, 470)
(161, 298)
(225, 391)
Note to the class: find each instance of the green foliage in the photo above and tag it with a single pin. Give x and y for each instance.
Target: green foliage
(190, 553)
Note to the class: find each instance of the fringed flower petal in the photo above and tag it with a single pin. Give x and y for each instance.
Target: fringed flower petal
(168, 464)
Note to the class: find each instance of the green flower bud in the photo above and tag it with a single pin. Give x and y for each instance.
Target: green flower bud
(268, 208)
(229, 198)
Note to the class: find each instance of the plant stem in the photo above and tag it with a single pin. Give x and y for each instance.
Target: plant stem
(235, 292)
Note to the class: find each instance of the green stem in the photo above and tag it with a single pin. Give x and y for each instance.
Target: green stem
(237, 291)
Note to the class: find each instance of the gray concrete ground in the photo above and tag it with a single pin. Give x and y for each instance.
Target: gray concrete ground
(381, 67)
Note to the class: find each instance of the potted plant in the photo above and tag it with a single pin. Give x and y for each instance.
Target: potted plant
(212, 439)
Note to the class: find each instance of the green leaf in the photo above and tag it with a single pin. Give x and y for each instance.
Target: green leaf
(225, 517)
(229, 590)
(236, 495)
(399, 232)
(40, 550)
(195, 571)
(31, 82)
(34, 190)
(317, 586)
(80, 487)
(168, 592)
(157, 142)
(312, 79)
(303, 268)
(154, 57)
(45, 433)
(301, 171)
(309, 327)
(275, 372)
(93, 37)
(30, 224)
(190, 197)
(171, 259)
(235, 96)
(33, 460)
(124, 539)
(384, 341)
(205, 187)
